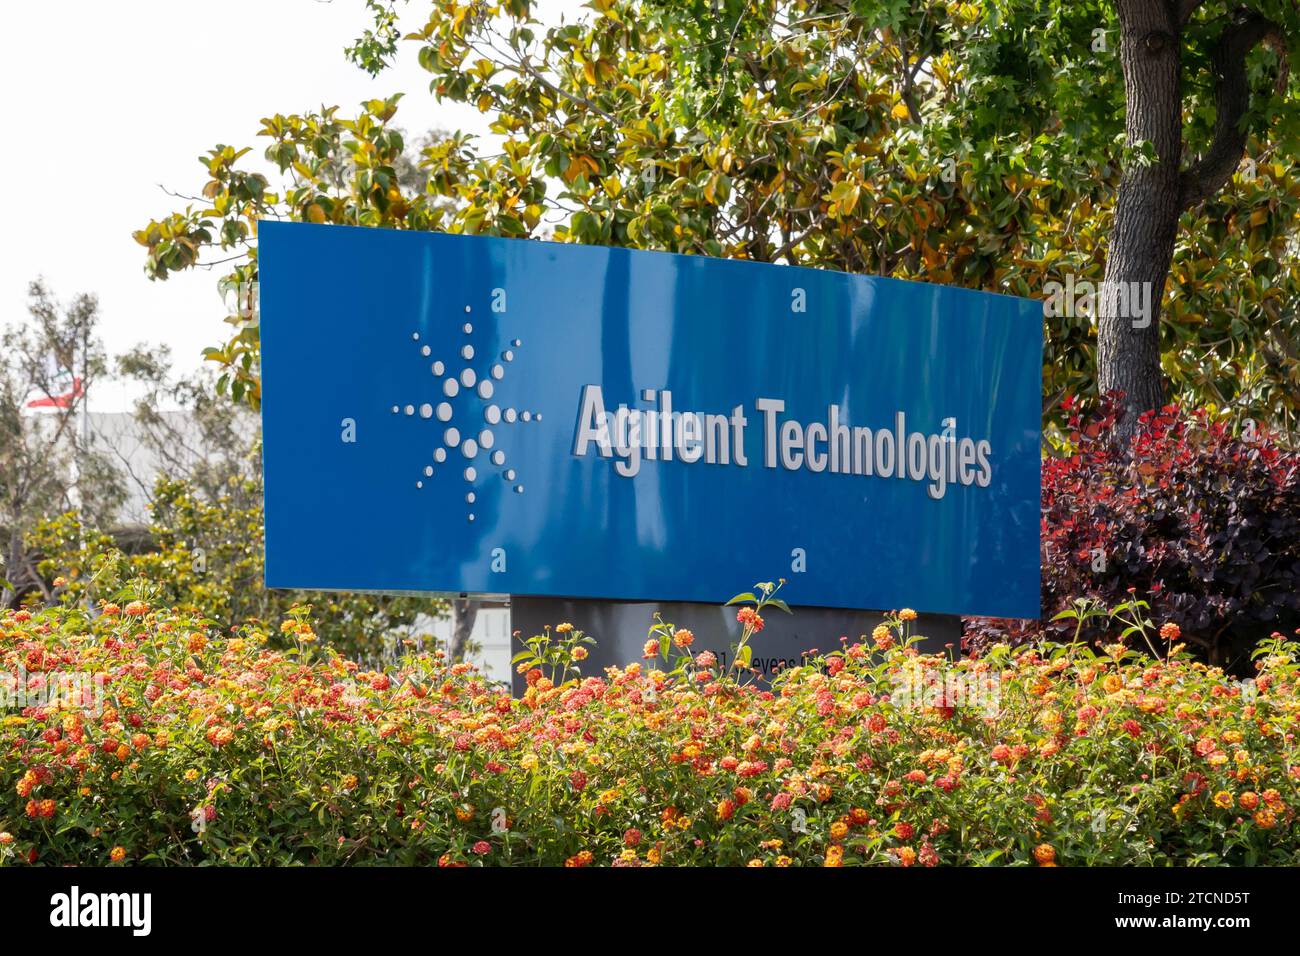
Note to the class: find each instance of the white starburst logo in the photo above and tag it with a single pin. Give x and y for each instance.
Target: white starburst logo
(452, 409)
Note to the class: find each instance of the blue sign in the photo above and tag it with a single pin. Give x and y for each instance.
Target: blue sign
(470, 414)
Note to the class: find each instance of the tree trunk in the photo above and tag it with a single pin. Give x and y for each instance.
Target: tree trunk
(1147, 209)
(9, 596)
(20, 573)
(463, 614)
(1152, 197)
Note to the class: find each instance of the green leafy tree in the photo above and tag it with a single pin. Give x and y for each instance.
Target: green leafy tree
(204, 547)
(47, 462)
(983, 145)
(1193, 136)
(205, 555)
(191, 432)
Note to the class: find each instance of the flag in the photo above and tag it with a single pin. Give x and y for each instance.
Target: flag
(63, 389)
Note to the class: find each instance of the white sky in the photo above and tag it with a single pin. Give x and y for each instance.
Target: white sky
(108, 99)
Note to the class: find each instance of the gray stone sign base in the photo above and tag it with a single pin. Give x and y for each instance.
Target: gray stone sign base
(620, 629)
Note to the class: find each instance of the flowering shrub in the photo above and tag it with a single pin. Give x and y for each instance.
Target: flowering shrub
(222, 749)
(1205, 523)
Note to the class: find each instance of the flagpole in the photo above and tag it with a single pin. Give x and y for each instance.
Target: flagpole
(83, 429)
(85, 395)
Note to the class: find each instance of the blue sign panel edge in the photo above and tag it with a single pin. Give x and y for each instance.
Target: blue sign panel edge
(303, 267)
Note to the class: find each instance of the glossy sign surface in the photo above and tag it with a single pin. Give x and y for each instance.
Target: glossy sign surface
(470, 414)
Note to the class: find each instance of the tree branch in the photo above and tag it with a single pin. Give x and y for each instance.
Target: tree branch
(790, 244)
(1231, 100)
(524, 66)
(909, 81)
(1185, 10)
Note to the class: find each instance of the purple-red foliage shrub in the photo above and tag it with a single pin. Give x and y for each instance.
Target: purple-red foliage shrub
(1203, 524)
